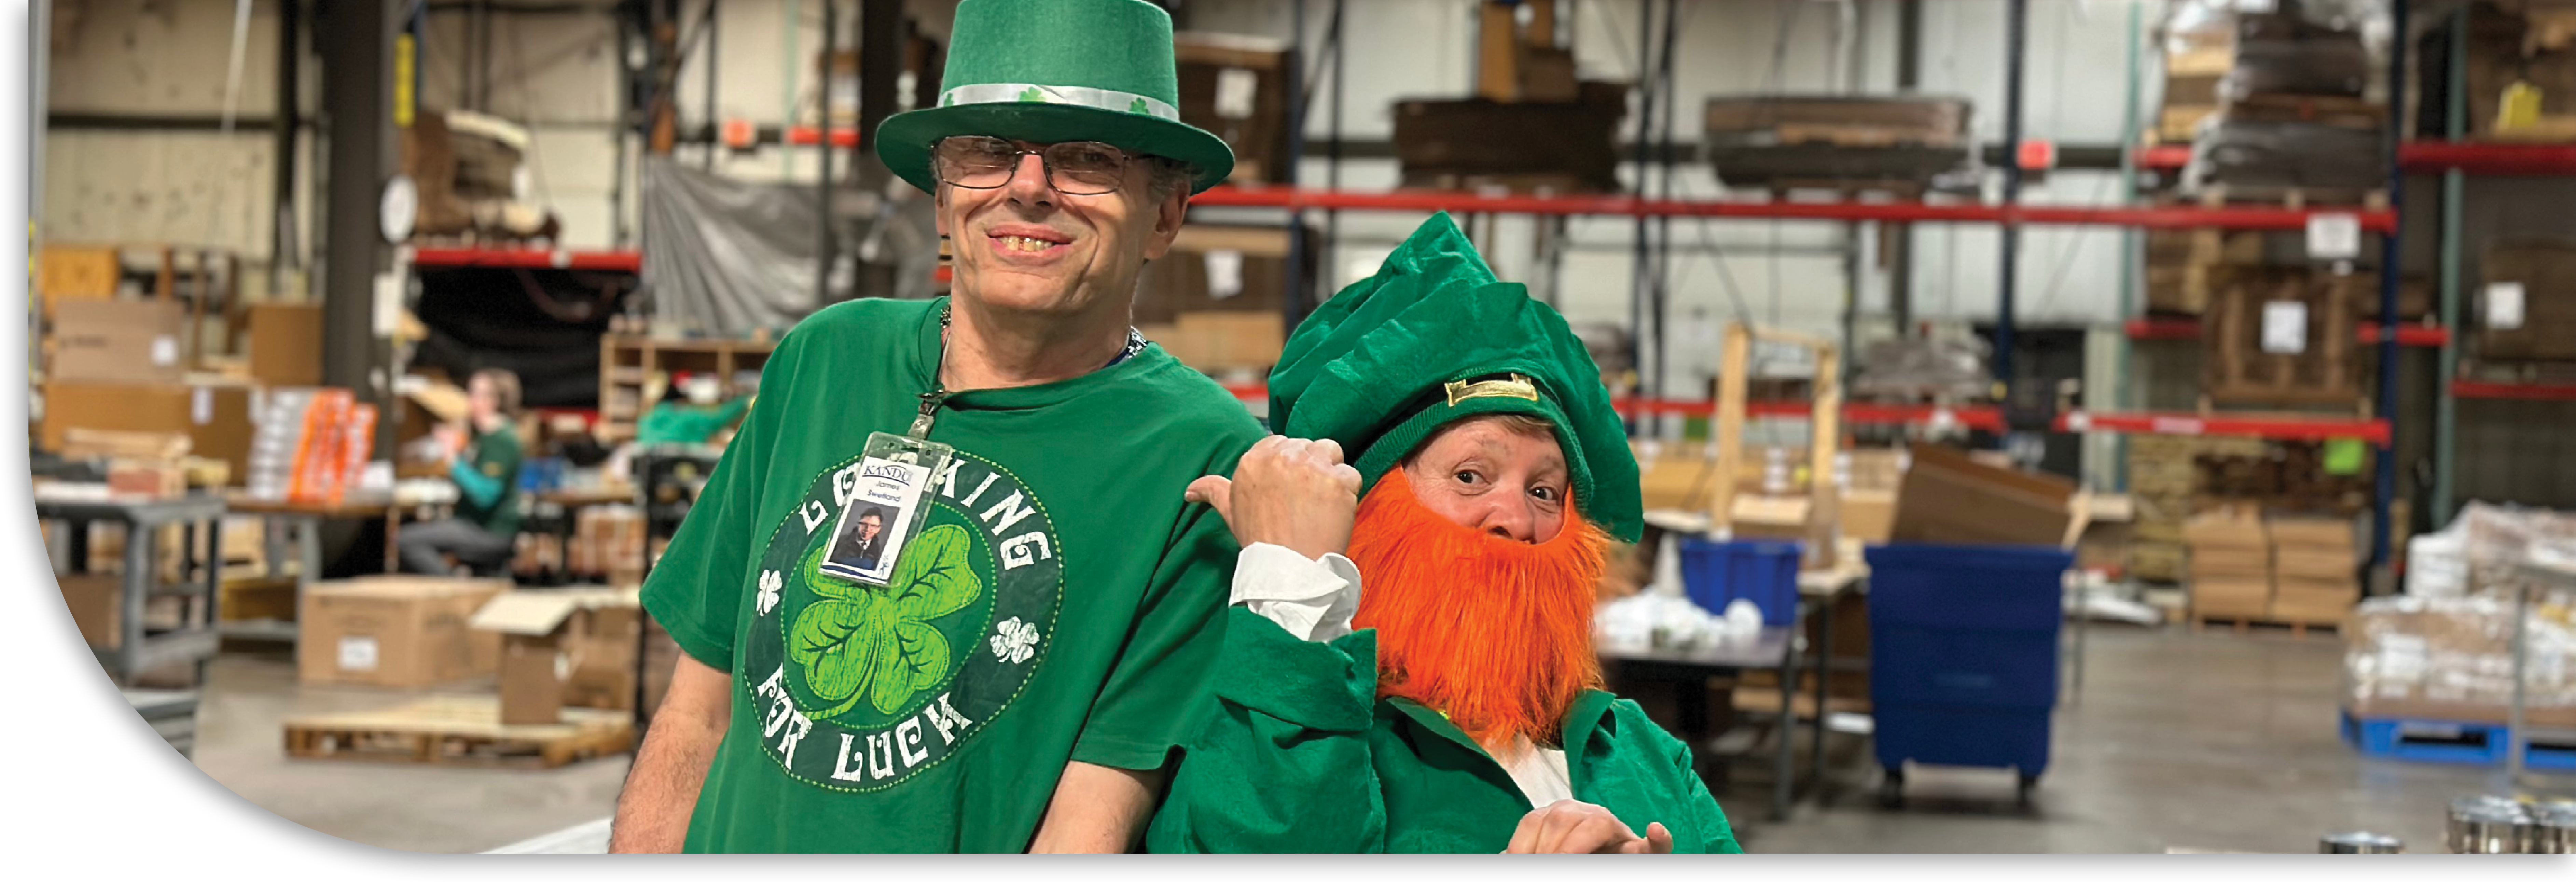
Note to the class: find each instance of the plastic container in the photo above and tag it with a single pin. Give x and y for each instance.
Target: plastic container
(1964, 655)
(1762, 571)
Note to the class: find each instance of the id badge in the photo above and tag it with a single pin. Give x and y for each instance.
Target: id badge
(883, 508)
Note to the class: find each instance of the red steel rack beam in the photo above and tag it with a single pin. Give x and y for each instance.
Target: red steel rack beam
(2368, 332)
(2487, 157)
(1466, 202)
(2514, 391)
(2286, 427)
(529, 258)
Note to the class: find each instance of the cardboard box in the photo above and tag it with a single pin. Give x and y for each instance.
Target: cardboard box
(1219, 341)
(1220, 269)
(1868, 515)
(2230, 597)
(118, 341)
(95, 601)
(395, 631)
(1237, 88)
(1947, 497)
(2527, 308)
(66, 272)
(216, 417)
(563, 646)
(286, 344)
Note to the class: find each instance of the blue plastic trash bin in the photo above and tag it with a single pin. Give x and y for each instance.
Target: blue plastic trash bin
(1963, 646)
(1763, 571)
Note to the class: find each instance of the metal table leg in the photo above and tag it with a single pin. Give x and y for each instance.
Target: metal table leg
(1784, 761)
(1824, 687)
(137, 585)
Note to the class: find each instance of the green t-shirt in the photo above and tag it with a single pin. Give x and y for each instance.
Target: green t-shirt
(1061, 601)
(494, 456)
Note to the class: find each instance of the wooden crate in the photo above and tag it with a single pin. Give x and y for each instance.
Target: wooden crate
(2238, 369)
(459, 730)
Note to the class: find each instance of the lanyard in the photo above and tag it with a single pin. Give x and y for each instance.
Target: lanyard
(938, 394)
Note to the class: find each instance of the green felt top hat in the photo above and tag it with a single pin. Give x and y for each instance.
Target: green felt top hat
(1432, 339)
(1057, 70)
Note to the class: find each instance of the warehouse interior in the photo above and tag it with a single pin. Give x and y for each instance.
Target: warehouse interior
(2239, 335)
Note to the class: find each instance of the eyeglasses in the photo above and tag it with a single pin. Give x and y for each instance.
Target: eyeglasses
(1074, 168)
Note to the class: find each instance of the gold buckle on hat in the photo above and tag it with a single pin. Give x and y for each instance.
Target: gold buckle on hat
(1505, 386)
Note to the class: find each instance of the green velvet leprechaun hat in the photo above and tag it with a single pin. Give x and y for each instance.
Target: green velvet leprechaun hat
(1433, 338)
(1057, 70)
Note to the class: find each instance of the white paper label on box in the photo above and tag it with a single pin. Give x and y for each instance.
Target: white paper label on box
(2504, 306)
(357, 653)
(2334, 236)
(1224, 273)
(2285, 327)
(165, 351)
(1235, 88)
(201, 405)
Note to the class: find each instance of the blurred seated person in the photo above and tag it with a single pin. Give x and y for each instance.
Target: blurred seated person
(483, 459)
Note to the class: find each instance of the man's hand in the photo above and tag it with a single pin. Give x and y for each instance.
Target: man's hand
(1289, 492)
(1570, 827)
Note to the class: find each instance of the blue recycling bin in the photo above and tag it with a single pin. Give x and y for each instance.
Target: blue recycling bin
(1763, 571)
(1963, 645)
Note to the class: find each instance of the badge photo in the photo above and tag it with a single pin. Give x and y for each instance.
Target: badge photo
(875, 522)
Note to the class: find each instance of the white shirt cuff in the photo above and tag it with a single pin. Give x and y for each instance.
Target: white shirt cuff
(1313, 599)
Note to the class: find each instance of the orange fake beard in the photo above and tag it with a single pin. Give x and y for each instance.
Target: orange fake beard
(1494, 633)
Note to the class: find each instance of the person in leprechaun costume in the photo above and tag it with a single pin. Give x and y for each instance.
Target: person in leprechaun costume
(1465, 540)
(1011, 660)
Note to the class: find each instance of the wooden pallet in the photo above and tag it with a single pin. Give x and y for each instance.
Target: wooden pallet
(2243, 624)
(459, 730)
(2217, 194)
(2493, 370)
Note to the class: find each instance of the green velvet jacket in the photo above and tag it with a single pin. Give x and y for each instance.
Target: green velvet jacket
(1303, 757)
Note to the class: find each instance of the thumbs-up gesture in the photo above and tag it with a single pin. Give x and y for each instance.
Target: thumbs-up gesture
(1290, 492)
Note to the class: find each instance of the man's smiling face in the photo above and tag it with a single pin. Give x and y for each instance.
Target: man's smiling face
(1026, 246)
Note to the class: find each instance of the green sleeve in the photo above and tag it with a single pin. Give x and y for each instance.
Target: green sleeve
(697, 589)
(1703, 829)
(1154, 695)
(1284, 765)
(495, 470)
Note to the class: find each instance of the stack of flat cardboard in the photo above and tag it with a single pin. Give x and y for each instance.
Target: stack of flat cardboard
(2231, 564)
(2314, 566)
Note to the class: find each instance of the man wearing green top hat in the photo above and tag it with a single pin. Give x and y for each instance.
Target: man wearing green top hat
(1465, 541)
(1015, 668)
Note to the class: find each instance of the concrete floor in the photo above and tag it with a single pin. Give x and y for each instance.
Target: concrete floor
(2206, 741)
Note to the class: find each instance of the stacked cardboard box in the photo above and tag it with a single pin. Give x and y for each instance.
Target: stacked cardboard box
(2195, 62)
(2314, 569)
(2451, 658)
(2231, 564)
(2528, 305)
(1237, 87)
(608, 541)
(2163, 484)
(563, 647)
(405, 632)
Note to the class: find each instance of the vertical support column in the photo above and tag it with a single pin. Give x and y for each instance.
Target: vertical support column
(1726, 430)
(2390, 257)
(2446, 416)
(826, 186)
(2130, 239)
(1661, 260)
(880, 65)
(1639, 288)
(707, 117)
(1899, 257)
(2016, 21)
(1294, 297)
(40, 27)
(357, 41)
(290, 125)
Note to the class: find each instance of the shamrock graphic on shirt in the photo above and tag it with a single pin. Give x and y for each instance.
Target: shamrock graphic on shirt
(1014, 640)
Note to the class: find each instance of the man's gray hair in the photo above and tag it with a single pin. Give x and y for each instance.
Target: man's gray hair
(1164, 176)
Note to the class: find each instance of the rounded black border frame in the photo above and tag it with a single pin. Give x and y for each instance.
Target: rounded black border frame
(151, 749)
